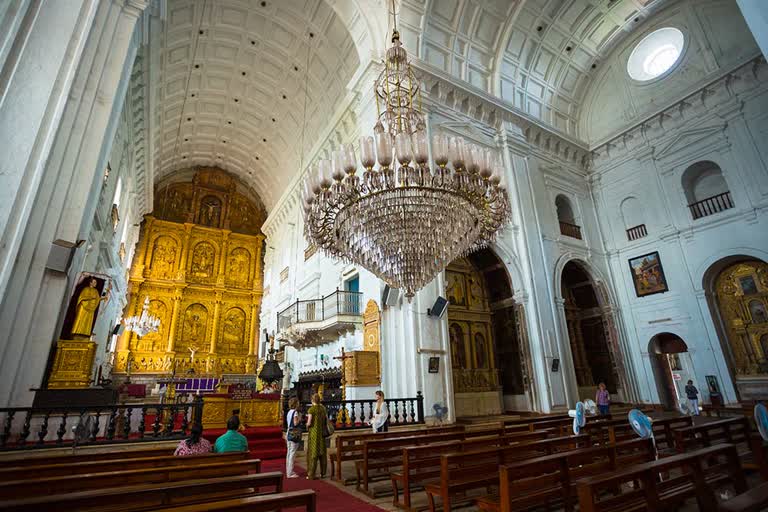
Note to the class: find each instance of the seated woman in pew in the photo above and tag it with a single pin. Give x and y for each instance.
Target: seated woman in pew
(195, 444)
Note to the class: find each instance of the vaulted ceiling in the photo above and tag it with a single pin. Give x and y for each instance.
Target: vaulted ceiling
(227, 77)
(538, 55)
(228, 85)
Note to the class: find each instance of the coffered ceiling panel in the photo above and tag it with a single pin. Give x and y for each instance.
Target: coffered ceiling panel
(229, 85)
(538, 55)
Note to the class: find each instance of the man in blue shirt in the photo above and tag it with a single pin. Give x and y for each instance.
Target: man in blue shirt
(231, 440)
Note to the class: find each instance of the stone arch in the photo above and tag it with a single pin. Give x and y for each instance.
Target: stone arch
(736, 291)
(597, 316)
(564, 209)
(669, 357)
(703, 179)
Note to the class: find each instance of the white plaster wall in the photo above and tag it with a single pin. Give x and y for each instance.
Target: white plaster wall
(717, 39)
(729, 134)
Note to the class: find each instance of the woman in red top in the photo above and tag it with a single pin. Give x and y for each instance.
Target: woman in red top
(195, 444)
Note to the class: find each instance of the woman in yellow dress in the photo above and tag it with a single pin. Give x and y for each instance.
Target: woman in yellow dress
(87, 302)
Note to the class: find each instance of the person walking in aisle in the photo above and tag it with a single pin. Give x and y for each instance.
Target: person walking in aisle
(317, 426)
(292, 436)
(693, 397)
(603, 399)
(380, 420)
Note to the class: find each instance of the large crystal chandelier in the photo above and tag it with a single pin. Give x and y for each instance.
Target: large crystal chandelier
(143, 324)
(407, 222)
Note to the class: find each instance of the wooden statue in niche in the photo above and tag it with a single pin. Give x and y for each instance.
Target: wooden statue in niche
(153, 341)
(195, 327)
(481, 353)
(210, 211)
(203, 258)
(239, 265)
(163, 257)
(233, 332)
(458, 354)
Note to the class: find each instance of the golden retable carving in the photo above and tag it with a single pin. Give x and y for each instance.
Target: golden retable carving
(742, 299)
(199, 260)
(469, 329)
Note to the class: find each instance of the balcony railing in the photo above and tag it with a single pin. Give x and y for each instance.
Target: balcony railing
(636, 232)
(53, 427)
(354, 414)
(571, 230)
(335, 304)
(711, 205)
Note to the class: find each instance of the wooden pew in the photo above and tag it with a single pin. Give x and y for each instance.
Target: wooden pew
(349, 445)
(696, 474)
(420, 464)
(551, 478)
(759, 455)
(102, 466)
(663, 431)
(754, 500)
(731, 430)
(268, 503)
(61, 484)
(135, 498)
(460, 472)
(89, 455)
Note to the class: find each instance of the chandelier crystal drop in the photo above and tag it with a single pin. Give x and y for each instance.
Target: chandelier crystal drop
(143, 324)
(404, 220)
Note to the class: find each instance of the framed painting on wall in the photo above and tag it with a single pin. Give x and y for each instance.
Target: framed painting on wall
(648, 274)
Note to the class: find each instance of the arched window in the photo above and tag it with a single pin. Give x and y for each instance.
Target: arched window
(705, 189)
(634, 219)
(566, 218)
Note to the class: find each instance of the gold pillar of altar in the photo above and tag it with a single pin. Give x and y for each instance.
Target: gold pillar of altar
(199, 260)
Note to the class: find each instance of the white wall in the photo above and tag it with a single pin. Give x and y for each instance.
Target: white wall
(727, 126)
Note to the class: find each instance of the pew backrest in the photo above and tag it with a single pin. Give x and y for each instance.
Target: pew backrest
(305, 499)
(151, 496)
(101, 466)
(70, 483)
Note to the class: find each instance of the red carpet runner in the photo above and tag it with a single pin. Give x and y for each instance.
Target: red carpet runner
(329, 497)
(264, 443)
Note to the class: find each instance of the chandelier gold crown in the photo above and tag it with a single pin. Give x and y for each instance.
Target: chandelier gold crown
(407, 222)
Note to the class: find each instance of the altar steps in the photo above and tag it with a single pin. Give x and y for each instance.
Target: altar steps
(264, 443)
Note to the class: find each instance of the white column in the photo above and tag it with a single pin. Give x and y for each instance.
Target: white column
(756, 14)
(35, 297)
(50, 37)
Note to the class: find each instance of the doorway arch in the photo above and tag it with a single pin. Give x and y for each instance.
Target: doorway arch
(487, 337)
(671, 365)
(591, 330)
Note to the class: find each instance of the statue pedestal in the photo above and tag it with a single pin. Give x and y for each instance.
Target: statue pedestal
(72, 365)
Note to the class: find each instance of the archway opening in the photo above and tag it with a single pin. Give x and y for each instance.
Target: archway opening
(485, 328)
(737, 293)
(588, 332)
(670, 362)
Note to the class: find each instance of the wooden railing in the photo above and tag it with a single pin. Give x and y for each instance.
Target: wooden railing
(53, 427)
(711, 205)
(357, 413)
(337, 303)
(636, 232)
(571, 230)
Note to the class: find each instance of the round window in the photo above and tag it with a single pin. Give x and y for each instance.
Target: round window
(656, 54)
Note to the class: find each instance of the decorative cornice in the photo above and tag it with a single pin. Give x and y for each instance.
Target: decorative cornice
(446, 91)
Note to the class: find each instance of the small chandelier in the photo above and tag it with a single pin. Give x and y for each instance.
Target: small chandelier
(144, 324)
(404, 223)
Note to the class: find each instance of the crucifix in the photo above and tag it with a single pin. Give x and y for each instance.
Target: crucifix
(343, 358)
